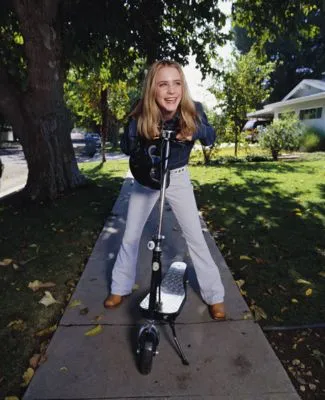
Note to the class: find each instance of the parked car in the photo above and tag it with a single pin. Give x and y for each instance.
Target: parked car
(85, 143)
(253, 128)
(94, 136)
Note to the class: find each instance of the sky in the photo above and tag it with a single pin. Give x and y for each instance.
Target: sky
(198, 87)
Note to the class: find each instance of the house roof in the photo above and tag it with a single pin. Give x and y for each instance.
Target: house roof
(303, 85)
(315, 88)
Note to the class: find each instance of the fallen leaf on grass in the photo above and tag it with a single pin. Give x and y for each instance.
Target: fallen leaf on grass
(94, 331)
(35, 285)
(295, 301)
(17, 325)
(303, 282)
(322, 274)
(319, 356)
(34, 361)
(47, 299)
(309, 292)
(46, 331)
(75, 303)
(5, 262)
(245, 258)
(240, 283)
(258, 312)
(28, 374)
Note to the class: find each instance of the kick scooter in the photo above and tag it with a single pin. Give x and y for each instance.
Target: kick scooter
(166, 297)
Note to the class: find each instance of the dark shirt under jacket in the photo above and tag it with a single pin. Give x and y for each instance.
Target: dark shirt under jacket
(179, 150)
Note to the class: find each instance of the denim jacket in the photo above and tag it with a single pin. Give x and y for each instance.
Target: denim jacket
(179, 150)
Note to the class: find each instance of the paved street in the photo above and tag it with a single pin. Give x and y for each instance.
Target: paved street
(15, 168)
(15, 171)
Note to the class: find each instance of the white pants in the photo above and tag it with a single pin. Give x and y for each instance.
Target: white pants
(182, 201)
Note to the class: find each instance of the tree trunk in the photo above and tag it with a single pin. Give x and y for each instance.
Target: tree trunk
(275, 154)
(236, 143)
(104, 127)
(39, 115)
(113, 128)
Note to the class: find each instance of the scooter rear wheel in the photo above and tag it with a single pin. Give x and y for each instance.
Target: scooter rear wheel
(146, 354)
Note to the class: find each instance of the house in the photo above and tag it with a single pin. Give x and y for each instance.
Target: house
(307, 100)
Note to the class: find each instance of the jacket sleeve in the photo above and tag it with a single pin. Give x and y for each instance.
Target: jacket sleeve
(205, 132)
(129, 138)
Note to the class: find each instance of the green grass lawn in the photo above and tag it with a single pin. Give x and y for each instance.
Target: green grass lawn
(268, 219)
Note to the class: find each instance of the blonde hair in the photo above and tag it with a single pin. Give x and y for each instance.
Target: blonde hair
(147, 112)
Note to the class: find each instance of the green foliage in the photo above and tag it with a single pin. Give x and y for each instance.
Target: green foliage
(218, 121)
(290, 32)
(83, 88)
(313, 140)
(283, 134)
(242, 89)
(153, 29)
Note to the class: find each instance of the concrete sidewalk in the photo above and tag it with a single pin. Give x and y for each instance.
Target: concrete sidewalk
(228, 360)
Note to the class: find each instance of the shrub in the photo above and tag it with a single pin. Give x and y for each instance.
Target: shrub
(312, 140)
(283, 134)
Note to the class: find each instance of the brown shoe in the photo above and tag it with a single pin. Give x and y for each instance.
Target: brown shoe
(217, 311)
(113, 300)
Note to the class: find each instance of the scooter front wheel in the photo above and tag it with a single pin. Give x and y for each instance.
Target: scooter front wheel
(146, 353)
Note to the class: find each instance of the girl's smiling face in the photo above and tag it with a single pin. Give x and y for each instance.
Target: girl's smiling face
(169, 91)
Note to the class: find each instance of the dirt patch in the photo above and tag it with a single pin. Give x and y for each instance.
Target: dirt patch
(302, 353)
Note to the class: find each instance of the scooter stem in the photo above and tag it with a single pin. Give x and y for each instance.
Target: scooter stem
(166, 135)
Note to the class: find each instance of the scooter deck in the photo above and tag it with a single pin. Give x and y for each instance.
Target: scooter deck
(172, 290)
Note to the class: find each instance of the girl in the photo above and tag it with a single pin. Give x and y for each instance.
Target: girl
(166, 101)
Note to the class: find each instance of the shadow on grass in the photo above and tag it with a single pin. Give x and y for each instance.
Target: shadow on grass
(46, 242)
(275, 245)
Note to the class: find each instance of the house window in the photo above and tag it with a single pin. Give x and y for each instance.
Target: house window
(311, 113)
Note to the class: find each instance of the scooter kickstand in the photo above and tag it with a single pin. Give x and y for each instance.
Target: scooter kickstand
(180, 351)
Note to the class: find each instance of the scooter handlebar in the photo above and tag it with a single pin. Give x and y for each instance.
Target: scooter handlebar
(169, 134)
